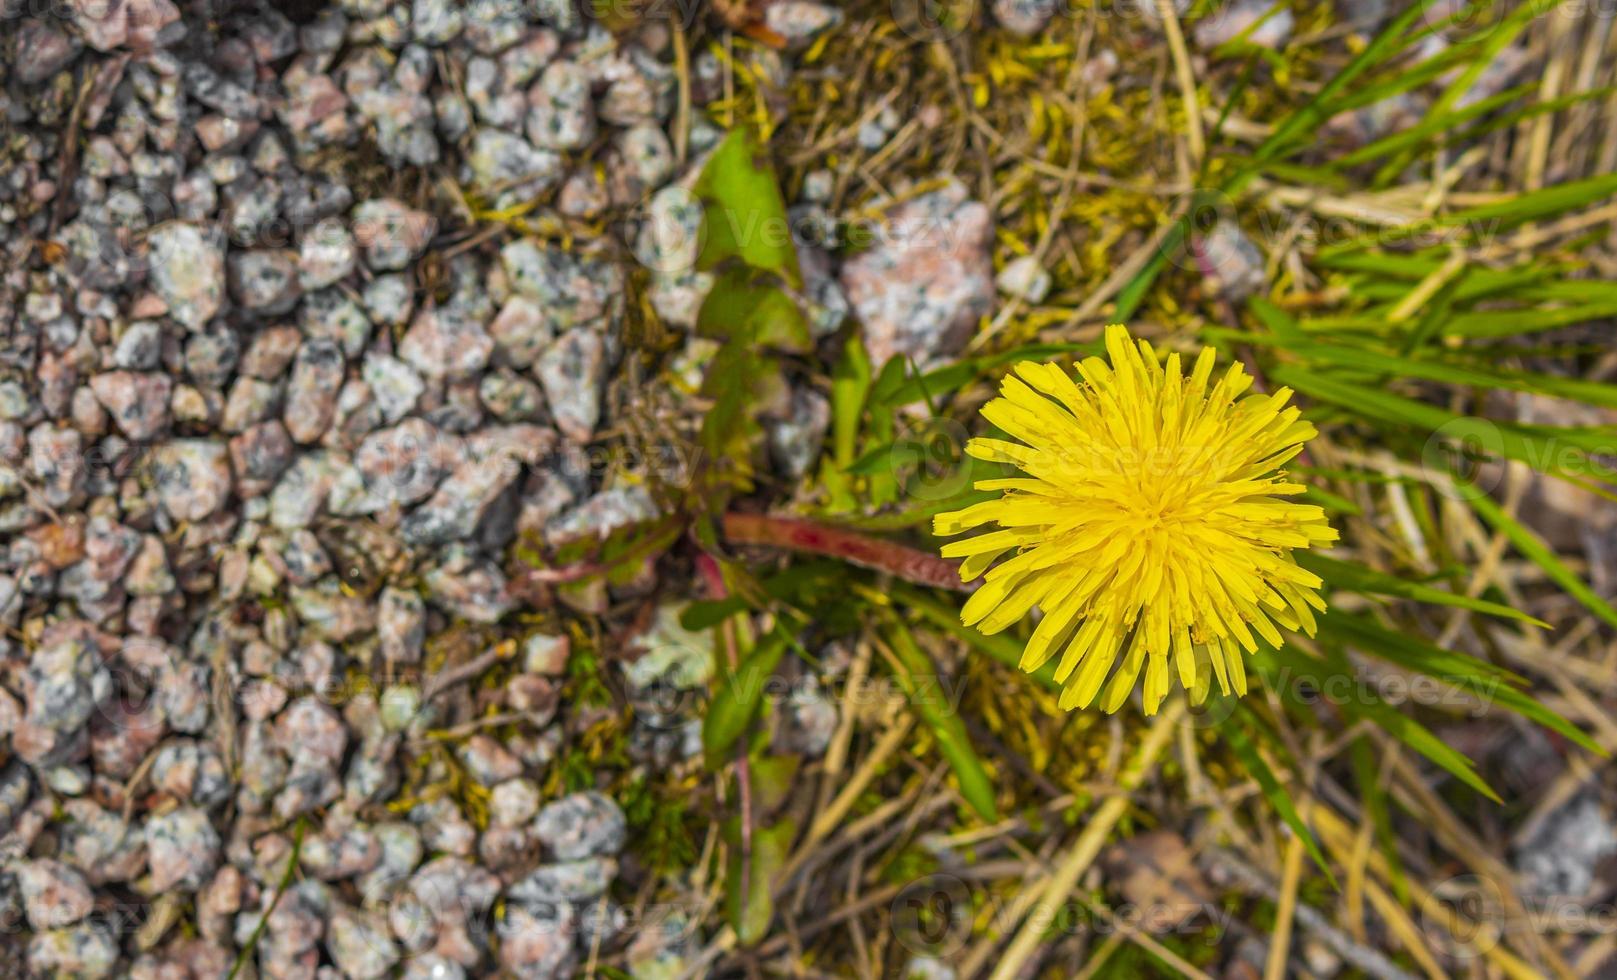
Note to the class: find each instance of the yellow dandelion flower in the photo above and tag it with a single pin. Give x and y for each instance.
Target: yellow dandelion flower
(1151, 523)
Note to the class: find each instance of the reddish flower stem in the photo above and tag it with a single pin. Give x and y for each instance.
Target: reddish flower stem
(801, 534)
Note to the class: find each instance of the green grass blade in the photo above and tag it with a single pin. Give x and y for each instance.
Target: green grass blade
(928, 695)
(738, 697)
(1533, 547)
(1354, 577)
(1491, 684)
(1245, 751)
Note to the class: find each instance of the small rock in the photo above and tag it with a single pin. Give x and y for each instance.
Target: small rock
(270, 352)
(510, 168)
(138, 403)
(87, 950)
(182, 848)
(444, 343)
(140, 348)
(572, 371)
(927, 279)
(192, 477)
(333, 314)
(521, 331)
(801, 22)
(435, 21)
(259, 455)
(406, 463)
(1230, 20)
(401, 625)
(475, 591)
(54, 895)
(1561, 858)
(187, 270)
(389, 300)
(537, 942)
(461, 503)
(327, 255)
(1024, 18)
(42, 51)
(391, 233)
(149, 573)
(1230, 259)
(359, 941)
(264, 280)
(511, 397)
(581, 825)
(311, 395)
(393, 384)
(561, 114)
(1024, 279)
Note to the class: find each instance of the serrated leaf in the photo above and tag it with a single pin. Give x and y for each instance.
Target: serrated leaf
(744, 214)
(704, 614)
(738, 697)
(772, 780)
(748, 306)
(750, 909)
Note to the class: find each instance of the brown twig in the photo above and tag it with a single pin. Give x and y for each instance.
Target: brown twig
(470, 670)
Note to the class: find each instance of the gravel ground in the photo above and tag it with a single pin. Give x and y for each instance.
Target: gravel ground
(273, 409)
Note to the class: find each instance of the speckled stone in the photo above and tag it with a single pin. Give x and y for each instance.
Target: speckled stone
(326, 255)
(401, 625)
(537, 942)
(437, 905)
(334, 314)
(445, 343)
(187, 270)
(311, 394)
(644, 160)
(258, 456)
(149, 573)
(572, 371)
(510, 167)
(137, 402)
(87, 950)
(54, 895)
(561, 114)
(923, 285)
(473, 590)
(359, 944)
(182, 848)
(1024, 18)
(264, 281)
(393, 384)
(520, 331)
(391, 233)
(405, 463)
(42, 51)
(389, 300)
(192, 477)
(56, 462)
(461, 504)
(270, 352)
(581, 825)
